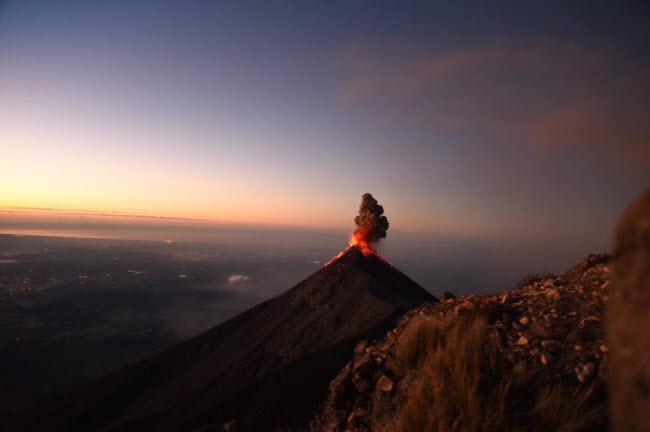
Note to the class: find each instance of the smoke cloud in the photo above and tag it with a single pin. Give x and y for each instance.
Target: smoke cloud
(372, 226)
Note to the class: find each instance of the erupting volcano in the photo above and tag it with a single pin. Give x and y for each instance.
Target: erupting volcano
(371, 225)
(265, 369)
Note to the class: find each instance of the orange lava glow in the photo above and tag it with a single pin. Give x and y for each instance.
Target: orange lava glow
(359, 239)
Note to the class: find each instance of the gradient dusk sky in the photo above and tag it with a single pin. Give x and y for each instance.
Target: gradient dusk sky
(468, 118)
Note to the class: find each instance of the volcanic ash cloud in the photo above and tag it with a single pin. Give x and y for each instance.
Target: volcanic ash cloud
(371, 223)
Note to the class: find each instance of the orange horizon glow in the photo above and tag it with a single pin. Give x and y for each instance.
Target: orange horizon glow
(65, 214)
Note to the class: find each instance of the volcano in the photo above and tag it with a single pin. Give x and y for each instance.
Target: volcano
(266, 368)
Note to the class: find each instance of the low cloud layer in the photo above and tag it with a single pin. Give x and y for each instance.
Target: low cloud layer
(237, 278)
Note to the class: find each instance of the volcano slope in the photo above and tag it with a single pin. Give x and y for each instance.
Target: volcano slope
(266, 368)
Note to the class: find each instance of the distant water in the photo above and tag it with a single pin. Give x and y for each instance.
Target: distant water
(437, 262)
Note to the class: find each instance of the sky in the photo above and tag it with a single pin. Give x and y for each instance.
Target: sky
(465, 118)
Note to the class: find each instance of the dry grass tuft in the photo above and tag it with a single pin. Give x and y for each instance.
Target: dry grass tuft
(465, 385)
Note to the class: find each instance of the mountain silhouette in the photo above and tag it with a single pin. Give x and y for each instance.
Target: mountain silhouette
(266, 368)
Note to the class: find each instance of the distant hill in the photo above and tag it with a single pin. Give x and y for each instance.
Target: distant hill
(267, 367)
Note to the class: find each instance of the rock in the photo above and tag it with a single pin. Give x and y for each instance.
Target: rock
(522, 340)
(497, 338)
(524, 320)
(546, 358)
(604, 348)
(552, 292)
(593, 260)
(537, 330)
(590, 319)
(628, 320)
(466, 305)
(588, 369)
(384, 384)
(229, 425)
(447, 296)
(520, 368)
(355, 415)
(360, 380)
(360, 349)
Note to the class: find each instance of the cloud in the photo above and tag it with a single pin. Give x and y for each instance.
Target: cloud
(236, 278)
(544, 94)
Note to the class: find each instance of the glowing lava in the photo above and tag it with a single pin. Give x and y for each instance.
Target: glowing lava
(371, 227)
(360, 239)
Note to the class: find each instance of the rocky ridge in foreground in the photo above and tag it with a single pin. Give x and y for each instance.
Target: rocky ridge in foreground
(550, 325)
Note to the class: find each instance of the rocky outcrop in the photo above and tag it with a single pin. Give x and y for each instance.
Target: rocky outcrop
(628, 320)
(552, 325)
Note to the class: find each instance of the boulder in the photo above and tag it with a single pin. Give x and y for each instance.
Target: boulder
(628, 320)
(384, 384)
(447, 296)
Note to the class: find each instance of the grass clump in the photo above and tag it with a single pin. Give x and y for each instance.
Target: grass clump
(466, 385)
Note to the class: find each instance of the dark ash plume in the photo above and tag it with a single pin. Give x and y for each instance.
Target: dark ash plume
(372, 226)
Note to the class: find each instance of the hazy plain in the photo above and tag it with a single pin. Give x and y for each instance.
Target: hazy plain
(81, 298)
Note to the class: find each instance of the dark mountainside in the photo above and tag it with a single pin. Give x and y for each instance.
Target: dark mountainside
(268, 366)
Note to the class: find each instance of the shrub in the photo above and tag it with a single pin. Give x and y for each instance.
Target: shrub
(465, 385)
